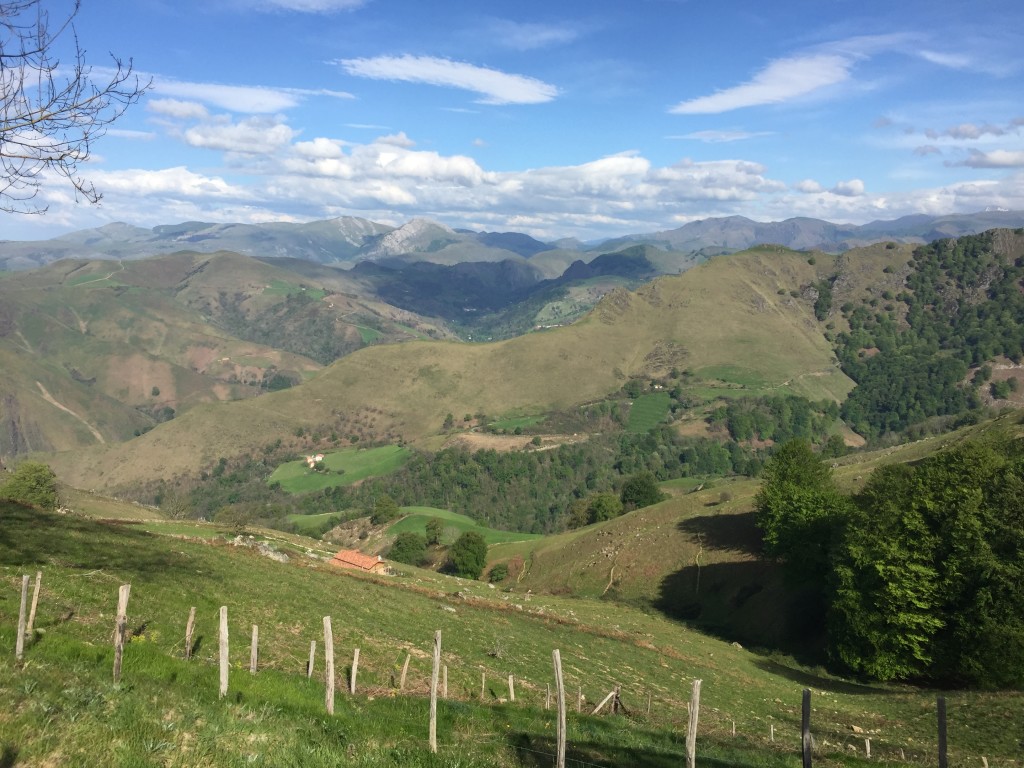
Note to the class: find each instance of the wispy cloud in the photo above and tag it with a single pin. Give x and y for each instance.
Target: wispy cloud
(999, 158)
(718, 137)
(782, 80)
(494, 86)
(252, 136)
(530, 36)
(245, 99)
(178, 109)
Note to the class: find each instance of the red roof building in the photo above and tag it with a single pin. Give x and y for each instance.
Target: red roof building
(349, 558)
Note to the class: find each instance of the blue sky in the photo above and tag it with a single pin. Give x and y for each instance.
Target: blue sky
(559, 119)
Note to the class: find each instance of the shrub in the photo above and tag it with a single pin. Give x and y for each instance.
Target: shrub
(32, 483)
(409, 548)
(498, 573)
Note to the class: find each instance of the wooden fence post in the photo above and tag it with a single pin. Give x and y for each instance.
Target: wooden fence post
(579, 699)
(691, 730)
(224, 655)
(405, 670)
(511, 689)
(329, 664)
(941, 711)
(648, 702)
(805, 729)
(355, 671)
(483, 685)
(547, 698)
(190, 627)
(120, 628)
(35, 604)
(254, 649)
(433, 691)
(312, 659)
(604, 701)
(867, 748)
(19, 643)
(771, 731)
(444, 682)
(556, 658)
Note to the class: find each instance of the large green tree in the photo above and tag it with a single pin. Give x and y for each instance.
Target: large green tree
(468, 555)
(640, 490)
(409, 548)
(32, 483)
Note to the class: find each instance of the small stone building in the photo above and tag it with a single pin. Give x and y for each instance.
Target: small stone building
(357, 561)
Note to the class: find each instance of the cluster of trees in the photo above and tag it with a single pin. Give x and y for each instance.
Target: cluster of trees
(921, 573)
(962, 306)
(467, 555)
(776, 417)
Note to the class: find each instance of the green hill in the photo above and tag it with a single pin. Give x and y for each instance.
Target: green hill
(63, 708)
(761, 339)
(416, 518)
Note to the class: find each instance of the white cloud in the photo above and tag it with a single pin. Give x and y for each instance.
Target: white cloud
(808, 186)
(851, 188)
(246, 99)
(494, 86)
(945, 59)
(397, 140)
(178, 109)
(173, 182)
(718, 137)
(999, 158)
(529, 36)
(125, 133)
(254, 135)
(782, 80)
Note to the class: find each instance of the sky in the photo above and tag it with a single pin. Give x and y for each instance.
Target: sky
(559, 119)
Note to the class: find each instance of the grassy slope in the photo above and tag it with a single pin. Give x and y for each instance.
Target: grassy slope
(63, 708)
(723, 313)
(416, 518)
(694, 555)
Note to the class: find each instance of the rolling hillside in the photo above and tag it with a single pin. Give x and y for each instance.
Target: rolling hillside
(733, 323)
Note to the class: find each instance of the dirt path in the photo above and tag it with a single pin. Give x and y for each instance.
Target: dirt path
(52, 401)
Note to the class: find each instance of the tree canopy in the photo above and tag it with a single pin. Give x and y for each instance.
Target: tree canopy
(31, 483)
(468, 555)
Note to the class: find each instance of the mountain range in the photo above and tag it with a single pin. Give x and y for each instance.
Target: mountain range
(348, 240)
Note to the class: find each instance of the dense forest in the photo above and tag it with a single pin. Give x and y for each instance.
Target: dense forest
(963, 305)
(920, 575)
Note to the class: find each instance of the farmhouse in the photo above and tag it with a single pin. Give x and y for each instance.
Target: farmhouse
(349, 558)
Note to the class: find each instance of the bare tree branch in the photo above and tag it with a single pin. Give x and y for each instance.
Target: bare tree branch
(51, 113)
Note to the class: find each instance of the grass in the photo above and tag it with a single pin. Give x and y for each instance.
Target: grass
(514, 422)
(368, 335)
(309, 523)
(648, 411)
(343, 468)
(63, 709)
(415, 521)
(278, 287)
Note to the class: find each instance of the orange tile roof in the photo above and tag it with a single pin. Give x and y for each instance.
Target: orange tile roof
(348, 558)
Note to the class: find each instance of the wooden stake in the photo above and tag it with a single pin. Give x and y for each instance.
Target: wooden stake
(617, 700)
(556, 659)
(691, 730)
(120, 629)
(579, 699)
(771, 731)
(224, 656)
(405, 669)
(35, 604)
(984, 762)
(190, 628)
(312, 659)
(444, 682)
(648, 702)
(483, 685)
(433, 691)
(941, 711)
(511, 689)
(254, 649)
(733, 727)
(547, 699)
(19, 643)
(604, 701)
(355, 671)
(329, 665)
(805, 729)
(867, 748)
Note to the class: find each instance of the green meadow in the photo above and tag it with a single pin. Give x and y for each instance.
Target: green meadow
(415, 521)
(342, 468)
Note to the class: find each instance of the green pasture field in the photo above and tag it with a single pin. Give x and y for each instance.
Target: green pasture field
(63, 708)
(284, 288)
(415, 521)
(648, 411)
(368, 335)
(516, 421)
(307, 523)
(354, 464)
